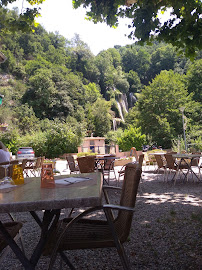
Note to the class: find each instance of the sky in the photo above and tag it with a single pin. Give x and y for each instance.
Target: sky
(60, 16)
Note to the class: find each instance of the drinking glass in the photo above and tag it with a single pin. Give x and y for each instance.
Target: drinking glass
(6, 178)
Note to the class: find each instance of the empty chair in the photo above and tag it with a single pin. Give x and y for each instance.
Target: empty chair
(108, 168)
(32, 166)
(160, 165)
(195, 163)
(84, 233)
(37, 167)
(150, 161)
(121, 172)
(72, 166)
(86, 164)
(174, 166)
(23, 165)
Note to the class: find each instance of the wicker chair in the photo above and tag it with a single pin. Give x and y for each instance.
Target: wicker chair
(160, 164)
(13, 228)
(121, 172)
(72, 166)
(81, 233)
(86, 164)
(108, 168)
(36, 169)
(172, 165)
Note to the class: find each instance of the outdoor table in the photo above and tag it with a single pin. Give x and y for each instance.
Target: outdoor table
(184, 158)
(105, 164)
(30, 197)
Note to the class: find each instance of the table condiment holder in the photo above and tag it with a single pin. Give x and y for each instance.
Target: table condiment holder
(47, 177)
(17, 175)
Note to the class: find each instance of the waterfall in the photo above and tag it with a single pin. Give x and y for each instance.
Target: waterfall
(114, 124)
(124, 102)
(120, 110)
(131, 100)
(123, 105)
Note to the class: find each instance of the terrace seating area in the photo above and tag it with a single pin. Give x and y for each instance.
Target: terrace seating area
(167, 217)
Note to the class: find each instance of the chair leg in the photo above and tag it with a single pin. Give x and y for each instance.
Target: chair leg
(20, 234)
(67, 261)
(118, 244)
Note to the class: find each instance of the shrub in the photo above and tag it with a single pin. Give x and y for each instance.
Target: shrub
(132, 137)
(84, 154)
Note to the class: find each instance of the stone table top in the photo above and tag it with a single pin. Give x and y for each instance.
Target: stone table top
(182, 155)
(31, 197)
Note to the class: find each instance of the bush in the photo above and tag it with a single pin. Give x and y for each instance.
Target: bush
(84, 154)
(132, 137)
(10, 139)
(53, 142)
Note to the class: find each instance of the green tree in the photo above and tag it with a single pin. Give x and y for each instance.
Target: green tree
(10, 139)
(27, 122)
(131, 137)
(100, 117)
(158, 107)
(138, 61)
(40, 95)
(80, 55)
(91, 92)
(134, 82)
(61, 139)
(182, 29)
(162, 59)
(25, 21)
(194, 77)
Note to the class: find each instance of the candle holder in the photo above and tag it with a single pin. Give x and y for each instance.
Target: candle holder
(17, 175)
(47, 178)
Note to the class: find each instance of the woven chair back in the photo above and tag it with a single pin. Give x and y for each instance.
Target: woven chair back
(109, 163)
(128, 198)
(159, 161)
(23, 164)
(71, 163)
(141, 158)
(170, 161)
(86, 164)
(38, 163)
(195, 161)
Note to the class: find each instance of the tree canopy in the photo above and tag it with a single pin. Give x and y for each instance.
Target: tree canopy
(24, 22)
(182, 29)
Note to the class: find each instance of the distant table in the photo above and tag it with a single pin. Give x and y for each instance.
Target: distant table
(30, 197)
(105, 164)
(157, 154)
(185, 158)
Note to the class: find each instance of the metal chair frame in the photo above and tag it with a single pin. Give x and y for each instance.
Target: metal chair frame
(118, 227)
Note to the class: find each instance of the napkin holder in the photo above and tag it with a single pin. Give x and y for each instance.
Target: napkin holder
(47, 178)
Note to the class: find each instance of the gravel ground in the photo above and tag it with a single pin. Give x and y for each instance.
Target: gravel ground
(166, 231)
